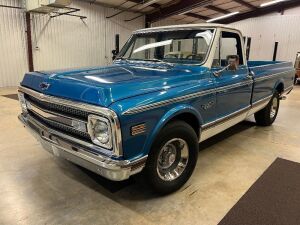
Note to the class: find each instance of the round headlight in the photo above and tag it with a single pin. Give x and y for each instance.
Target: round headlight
(100, 131)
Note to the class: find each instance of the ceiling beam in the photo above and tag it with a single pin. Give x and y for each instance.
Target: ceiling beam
(217, 9)
(197, 16)
(175, 9)
(154, 5)
(248, 5)
(92, 2)
(262, 11)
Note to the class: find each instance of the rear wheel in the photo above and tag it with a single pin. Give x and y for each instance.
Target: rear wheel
(267, 115)
(172, 158)
(296, 80)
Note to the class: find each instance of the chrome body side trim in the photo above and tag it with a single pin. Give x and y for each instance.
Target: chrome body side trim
(279, 63)
(212, 128)
(167, 102)
(232, 86)
(183, 98)
(105, 166)
(222, 125)
(287, 90)
(224, 118)
(101, 111)
(265, 77)
(258, 105)
(262, 100)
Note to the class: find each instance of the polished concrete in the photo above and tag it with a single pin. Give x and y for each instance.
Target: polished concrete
(37, 188)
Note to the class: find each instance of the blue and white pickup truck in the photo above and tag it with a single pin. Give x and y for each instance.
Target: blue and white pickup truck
(168, 89)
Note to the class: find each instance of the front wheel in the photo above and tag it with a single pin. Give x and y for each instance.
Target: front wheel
(267, 115)
(172, 158)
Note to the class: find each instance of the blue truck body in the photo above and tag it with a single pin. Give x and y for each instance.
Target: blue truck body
(155, 93)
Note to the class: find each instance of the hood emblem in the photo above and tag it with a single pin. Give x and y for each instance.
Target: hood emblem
(44, 86)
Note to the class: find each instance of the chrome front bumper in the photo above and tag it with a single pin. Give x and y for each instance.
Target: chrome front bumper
(112, 169)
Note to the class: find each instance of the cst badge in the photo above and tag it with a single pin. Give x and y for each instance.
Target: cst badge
(207, 105)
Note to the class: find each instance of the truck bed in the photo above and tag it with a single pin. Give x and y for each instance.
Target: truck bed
(268, 74)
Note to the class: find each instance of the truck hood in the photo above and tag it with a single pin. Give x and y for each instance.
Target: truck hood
(104, 85)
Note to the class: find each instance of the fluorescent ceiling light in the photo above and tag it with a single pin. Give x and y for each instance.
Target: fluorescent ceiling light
(185, 12)
(222, 17)
(271, 3)
(146, 4)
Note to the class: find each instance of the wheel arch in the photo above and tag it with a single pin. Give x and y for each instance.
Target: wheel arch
(279, 86)
(185, 113)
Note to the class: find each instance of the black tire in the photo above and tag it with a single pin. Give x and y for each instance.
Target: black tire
(174, 130)
(264, 117)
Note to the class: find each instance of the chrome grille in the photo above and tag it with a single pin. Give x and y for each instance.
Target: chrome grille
(60, 127)
(68, 111)
(62, 110)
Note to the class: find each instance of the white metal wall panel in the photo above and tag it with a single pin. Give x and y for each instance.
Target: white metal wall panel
(65, 42)
(166, 22)
(62, 42)
(265, 31)
(13, 54)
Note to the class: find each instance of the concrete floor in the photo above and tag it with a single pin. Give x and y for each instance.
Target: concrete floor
(37, 188)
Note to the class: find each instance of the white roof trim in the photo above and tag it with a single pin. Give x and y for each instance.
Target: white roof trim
(184, 26)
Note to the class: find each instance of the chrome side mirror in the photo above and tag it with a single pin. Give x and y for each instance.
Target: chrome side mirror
(219, 72)
(232, 65)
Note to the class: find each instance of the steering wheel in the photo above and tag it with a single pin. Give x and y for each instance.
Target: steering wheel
(197, 57)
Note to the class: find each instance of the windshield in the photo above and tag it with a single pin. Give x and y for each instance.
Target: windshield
(181, 46)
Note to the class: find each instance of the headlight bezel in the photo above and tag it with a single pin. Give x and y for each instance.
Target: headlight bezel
(23, 102)
(91, 131)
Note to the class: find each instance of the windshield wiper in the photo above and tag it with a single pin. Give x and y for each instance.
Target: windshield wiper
(152, 60)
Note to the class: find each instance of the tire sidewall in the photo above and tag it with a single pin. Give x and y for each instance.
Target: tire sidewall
(276, 95)
(176, 129)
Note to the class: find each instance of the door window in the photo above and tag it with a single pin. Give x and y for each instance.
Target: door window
(230, 44)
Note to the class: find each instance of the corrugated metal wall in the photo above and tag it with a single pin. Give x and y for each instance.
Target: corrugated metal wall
(65, 42)
(13, 54)
(166, 22)
(265, 31)
(61, 42)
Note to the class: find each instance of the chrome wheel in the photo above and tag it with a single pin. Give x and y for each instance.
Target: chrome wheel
(172, 159)
(274, 108)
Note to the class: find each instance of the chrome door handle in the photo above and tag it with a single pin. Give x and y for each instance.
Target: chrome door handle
(249, 76)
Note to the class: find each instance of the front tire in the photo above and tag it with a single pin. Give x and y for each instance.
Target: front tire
(267, 115)
(172, 158)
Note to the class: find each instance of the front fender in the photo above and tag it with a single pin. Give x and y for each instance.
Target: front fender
(169, 115)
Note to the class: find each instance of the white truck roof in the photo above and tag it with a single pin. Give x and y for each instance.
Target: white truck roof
(184, 26)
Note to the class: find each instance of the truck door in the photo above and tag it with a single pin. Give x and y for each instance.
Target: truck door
(231, 75)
